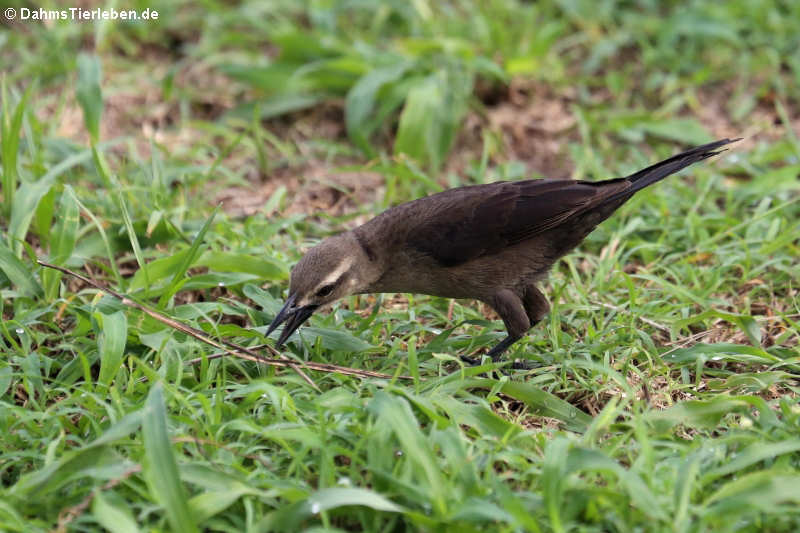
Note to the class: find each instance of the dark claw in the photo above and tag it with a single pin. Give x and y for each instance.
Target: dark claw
(471, 361)
(524, 364)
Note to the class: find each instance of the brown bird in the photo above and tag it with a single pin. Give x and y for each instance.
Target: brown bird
(488, 242)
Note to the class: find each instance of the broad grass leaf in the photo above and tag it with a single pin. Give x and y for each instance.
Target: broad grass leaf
(300, 47)
(683, 130)
(753, 454)
(73, 463)
(161, 471)
(207, 504)
(18, 273)
(153, 221)
(746, 323)
(113, 514)
(478, 510)
(276, 105)
(433, 110)
(363, 98)
(750, 328)
(719, 352)
(26, 200)
(331, 498)
(543, 403)
(338, 341)
(6, 376)
(283, 432)
(395, 413)
(752, 381)
(221, 490)
(157, 270)
(122, 428)
(65, 232)
(11, 517)
(216, 279)
(62, 241)
(583, 460)
(483, 419)
(290, 517)
(264, 299)
(264, 267)
(686, 24)
(88, 93)
(196, 310)
(11, 129)
(274, 78)
(709, 413)
(43, 223)
(111, 341)
(33, 370)
(768, 490)
(418, 131)
(68, 467)
(553, 479)
(213, 480)
(333, 76)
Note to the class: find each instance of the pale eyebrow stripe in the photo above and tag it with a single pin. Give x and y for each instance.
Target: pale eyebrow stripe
(334, 276)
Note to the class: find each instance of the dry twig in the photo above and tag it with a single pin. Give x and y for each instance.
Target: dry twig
(228, 347)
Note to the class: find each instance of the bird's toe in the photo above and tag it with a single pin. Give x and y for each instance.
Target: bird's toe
(471, 361)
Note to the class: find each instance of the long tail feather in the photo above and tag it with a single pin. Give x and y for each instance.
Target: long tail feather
(659, 171)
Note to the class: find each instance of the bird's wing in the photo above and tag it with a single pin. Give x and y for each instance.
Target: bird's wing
(474, 221)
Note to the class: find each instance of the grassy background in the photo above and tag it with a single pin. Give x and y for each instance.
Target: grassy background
(665, 392)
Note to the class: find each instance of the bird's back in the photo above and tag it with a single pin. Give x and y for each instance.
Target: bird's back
(503, 233)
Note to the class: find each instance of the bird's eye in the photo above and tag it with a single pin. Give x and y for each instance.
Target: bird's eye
(325, 291)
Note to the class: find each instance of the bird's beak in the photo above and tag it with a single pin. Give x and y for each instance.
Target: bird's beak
(293, 316)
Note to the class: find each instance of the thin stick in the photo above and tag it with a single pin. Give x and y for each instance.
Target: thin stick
(226, 346)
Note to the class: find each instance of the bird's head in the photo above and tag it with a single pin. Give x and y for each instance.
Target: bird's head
(336, 267)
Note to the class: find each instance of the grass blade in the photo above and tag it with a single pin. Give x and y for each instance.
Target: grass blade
(395, 412)
(137, 250)
(190, 257)
(115, 518)
(56, 473)
(9, 144)
(162, 470)
(107, 244)
(542, 402)
(62, 240)
(27, 198)
(17, 272)
(88, 93)
(111, 344)
(362, 100)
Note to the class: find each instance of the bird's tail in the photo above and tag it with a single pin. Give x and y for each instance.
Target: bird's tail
(659, 171)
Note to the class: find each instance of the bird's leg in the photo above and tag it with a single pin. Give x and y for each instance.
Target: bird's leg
(507, 305)
(536, 305)
(511, 310)
(501, 347)
(495, 354)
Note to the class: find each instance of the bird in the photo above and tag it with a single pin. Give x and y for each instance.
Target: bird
(491, 242)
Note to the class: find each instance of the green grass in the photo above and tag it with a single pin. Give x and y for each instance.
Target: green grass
(664, 396)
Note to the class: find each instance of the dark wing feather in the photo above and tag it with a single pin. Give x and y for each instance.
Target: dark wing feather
(485, 219)
(461, 224)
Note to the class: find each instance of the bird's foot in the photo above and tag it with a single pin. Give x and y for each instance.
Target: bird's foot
(471, 361)
(515, 365)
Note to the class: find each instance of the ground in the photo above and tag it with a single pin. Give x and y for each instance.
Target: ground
(663, 393)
